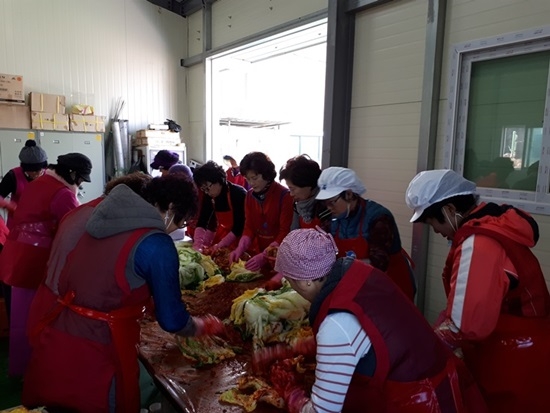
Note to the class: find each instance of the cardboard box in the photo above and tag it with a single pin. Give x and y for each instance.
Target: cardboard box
(15, 116)
(149, 133)
(49, 121)
(86, 123)
(42, 102)
(11, 89)
(156, 141)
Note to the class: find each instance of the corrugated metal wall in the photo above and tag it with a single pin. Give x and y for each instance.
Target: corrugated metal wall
(94, 52)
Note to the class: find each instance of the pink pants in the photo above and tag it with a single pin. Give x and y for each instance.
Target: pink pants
(19, 349)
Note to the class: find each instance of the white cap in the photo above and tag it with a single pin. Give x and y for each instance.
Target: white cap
(335, 180)
(430, 187)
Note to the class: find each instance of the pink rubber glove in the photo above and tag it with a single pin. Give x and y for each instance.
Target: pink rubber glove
(295, 399)
(244, 243)
(224, 242)
(208, 325)
(9, 205)
(256, 262)
(202, 239)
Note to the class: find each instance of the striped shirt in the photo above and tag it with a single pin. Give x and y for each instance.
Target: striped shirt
(341, 343)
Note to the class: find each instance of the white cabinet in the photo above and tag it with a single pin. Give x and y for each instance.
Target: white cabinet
(89, 144)
(149, 151)
(55, 144)
(11, 143)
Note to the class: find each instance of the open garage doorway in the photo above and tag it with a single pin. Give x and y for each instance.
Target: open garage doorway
(268, 96)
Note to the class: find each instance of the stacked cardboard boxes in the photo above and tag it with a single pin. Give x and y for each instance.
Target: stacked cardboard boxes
(13, 112)
(11, 89)
(48, 112)
(156, 137)
(87, 123)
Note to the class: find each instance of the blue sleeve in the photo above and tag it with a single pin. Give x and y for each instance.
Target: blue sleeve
(156, 260)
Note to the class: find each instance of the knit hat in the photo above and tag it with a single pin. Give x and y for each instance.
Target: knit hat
(306, 254)
(32, 157)
(180, 169)
(430, 187)
(78, 163)
(335, 180)
(165, 159)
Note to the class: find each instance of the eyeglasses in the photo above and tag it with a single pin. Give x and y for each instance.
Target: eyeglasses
(206, 188)
(331, 202)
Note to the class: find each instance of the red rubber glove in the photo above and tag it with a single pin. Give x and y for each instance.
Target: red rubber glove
(263, 358)
(274, 283)
(208, 325)
(295, 399)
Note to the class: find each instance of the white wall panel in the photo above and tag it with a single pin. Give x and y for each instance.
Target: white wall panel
(195, 33)
(387, 91)
(94, 52)
(235, 19)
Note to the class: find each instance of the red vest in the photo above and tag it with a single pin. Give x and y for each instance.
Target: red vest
(24, 258)
(90, 333)
(415, 372)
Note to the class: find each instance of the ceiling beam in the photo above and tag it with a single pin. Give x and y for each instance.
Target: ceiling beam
(182, 8)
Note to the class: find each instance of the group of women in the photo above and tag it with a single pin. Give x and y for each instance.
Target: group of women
(257, 221)
(82, 276)
(374, 350)
(488, 352)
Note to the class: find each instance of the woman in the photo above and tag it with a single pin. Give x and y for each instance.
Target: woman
(498, 303)
(223, 203)
(164, 160)
(33, 161)
(301, 174)
(363, 228)
(233, 172)
(23, 260)
(268, 211)
(375, 351)
(83, 323)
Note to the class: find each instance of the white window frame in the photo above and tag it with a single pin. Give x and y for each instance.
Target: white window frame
(463, 55)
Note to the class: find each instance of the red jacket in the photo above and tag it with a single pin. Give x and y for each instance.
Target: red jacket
(268, 220)
(498, 308)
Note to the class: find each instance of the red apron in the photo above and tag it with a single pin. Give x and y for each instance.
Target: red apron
(414, 397)
(225, 222)
(519, 347)
(312, 224)
(101, 360)
(399, 268)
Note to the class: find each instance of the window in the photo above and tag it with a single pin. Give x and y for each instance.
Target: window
(499, 122)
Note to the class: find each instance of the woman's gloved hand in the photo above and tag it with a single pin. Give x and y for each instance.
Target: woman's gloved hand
(244, 243)
(295, 399)
(224, 242)
(256, 262)
(8, 204)
(209, 325)
(275, 282)
(202, 238)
